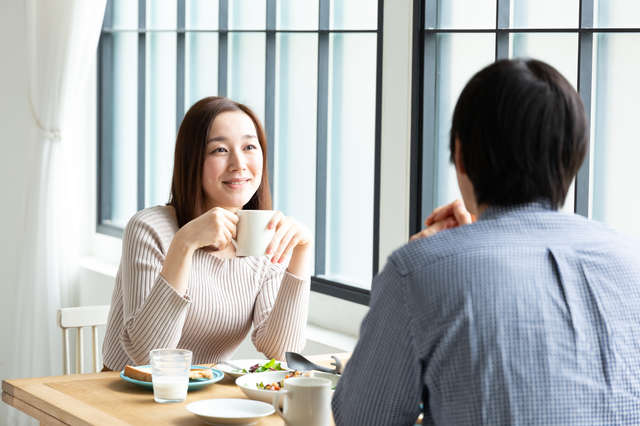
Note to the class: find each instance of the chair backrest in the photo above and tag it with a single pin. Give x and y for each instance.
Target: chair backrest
(84, 316)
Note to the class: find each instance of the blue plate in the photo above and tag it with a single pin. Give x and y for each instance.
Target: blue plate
(217, 375)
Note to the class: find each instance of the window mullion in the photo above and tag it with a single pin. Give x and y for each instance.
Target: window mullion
(223, 36)
(180, 64)
(502, 22)
(142, 61)
(585, 71)
(322, 138)
(270, 88)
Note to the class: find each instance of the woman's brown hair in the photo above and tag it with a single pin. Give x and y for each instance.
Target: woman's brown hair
(187, 195)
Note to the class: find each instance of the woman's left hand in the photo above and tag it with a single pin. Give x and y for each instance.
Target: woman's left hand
(289, 235)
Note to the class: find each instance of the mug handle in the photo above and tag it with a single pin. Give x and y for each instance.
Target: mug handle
(276, 400)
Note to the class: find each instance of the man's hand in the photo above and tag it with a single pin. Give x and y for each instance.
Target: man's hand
(444, 217)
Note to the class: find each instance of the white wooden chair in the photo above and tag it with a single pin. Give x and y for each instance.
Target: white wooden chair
(84, 316)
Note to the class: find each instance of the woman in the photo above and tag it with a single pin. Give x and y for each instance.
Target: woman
(180, 283)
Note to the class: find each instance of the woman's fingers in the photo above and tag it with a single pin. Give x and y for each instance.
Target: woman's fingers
(281, 228)
(275, 220)
(292, 244)
(278, 255)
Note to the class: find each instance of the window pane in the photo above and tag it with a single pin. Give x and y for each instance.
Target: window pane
(295, 126)
(559, 50)
(616, 148)
(125, 14)
(545, 13)
(297, 15)
(354, 15)
(246, 70)
(201, 62)
(123, 128)
(247, 14)
(160, 116)
(201, 14)
(465, 14)
(459, 57)
(617, 13)
(162, 14)
(350, 171)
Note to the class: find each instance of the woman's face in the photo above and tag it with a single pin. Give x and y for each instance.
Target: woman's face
(232, 169)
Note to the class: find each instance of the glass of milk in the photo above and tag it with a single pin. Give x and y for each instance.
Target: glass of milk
(170, 374)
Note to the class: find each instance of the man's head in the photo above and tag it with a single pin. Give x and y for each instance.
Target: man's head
(519, 134)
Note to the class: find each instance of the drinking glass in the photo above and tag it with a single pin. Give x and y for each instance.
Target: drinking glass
(170, 374)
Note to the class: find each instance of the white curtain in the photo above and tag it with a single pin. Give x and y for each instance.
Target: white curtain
(62, 38)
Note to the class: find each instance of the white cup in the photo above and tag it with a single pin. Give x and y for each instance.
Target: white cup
(307, 401)
(252, 235)
(170, 374)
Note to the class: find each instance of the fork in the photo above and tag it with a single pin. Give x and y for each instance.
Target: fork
(235, 367)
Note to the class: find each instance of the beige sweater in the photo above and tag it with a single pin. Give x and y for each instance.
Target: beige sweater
(224, 299)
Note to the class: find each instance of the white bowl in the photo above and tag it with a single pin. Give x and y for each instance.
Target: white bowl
(248, 383)
(230, 410)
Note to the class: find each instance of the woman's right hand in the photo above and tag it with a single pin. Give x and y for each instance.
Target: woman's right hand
(215, 228)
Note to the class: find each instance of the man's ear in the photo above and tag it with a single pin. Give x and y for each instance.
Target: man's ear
(458, 158)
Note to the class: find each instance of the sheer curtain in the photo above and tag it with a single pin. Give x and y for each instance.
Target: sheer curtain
(62, 38)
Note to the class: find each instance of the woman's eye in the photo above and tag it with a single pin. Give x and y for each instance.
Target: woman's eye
(218, 150)
(251, 147)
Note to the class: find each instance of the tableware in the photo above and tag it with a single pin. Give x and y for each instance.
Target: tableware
(300, 363)
(170, 374)
(252, 235)
(230, 410)
(248, 383)
(217, 375)
(234, 373)
(307, 401)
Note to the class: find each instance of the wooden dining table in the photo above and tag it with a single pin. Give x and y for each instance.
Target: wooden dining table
(106, 399)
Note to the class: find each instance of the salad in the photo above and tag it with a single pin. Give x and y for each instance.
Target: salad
(276, 386)
(271, 365)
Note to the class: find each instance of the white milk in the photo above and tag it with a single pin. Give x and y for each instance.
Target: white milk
(170, 388)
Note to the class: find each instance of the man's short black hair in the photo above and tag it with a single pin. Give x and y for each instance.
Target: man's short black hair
(523, 133)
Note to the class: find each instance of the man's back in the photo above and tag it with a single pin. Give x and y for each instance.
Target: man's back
(527, 316)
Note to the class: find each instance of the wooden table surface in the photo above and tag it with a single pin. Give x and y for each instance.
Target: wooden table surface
(106, 399)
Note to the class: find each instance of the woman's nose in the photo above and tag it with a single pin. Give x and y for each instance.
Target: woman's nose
(238, 160)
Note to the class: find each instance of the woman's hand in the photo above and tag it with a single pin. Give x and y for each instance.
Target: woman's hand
(289, 235)
(444, 217)
(215, 228)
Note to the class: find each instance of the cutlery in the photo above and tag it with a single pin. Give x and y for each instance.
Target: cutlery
(298, 362)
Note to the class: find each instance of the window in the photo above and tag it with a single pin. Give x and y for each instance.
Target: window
(310, 70)
(593, 43)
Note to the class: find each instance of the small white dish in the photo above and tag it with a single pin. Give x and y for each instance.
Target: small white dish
(243, 363)
(230, 411)
(248, 383)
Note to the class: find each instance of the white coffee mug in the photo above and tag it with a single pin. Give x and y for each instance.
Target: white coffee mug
(252, 235)
(307, 401)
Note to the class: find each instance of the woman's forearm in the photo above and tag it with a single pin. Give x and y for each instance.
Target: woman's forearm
(177, 264)
(300, 263)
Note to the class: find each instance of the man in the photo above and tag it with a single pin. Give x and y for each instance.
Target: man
(525, 316)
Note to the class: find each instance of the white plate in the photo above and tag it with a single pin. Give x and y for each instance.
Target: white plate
(230, 411)
(248, 383)
(244, 363)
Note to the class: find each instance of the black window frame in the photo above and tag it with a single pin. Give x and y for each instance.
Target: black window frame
(423, 127)
(319, 283)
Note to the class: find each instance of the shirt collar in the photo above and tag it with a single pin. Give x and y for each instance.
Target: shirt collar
(493, 212)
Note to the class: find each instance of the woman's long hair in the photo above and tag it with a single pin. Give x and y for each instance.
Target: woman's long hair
(187, 195)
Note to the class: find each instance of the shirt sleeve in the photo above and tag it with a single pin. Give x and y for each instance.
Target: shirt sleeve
(280, 313)
(381, 382)
(153, 312)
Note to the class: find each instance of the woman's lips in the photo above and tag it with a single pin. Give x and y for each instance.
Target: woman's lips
(236, 183)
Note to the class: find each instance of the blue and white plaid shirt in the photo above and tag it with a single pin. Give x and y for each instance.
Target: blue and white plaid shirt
(528, 316)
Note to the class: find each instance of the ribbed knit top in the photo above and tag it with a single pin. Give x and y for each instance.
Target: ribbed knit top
(225, 297)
